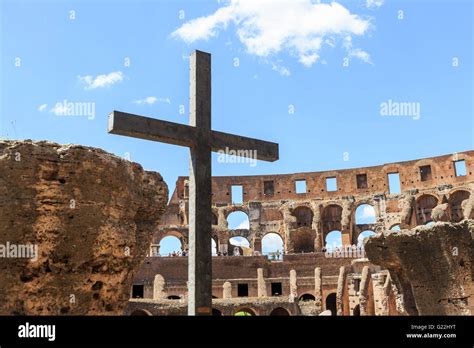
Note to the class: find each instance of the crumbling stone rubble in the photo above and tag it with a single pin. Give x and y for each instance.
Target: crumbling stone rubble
(90, 214)
(431, 265)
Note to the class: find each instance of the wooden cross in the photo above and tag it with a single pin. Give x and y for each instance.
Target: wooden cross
(201, 140)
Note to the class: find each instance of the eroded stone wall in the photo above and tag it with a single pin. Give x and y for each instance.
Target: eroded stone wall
(91, 216)
(431, 265)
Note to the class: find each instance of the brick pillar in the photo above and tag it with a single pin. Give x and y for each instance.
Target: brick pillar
(227, 293)
(261, 286)
(159, 287)
(293, 286)
(318, 288)
(363, 290)
(341, 281)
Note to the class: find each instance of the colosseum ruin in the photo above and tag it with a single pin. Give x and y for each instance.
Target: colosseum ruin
(421, 218)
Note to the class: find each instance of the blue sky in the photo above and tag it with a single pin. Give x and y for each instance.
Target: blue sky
(278, 74)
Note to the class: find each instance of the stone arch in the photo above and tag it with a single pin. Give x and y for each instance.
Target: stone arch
(331, 218)
(362, 235)
(280, 311)
(216, 312)
(173, 233)
(331, 303)
(304, 216)
(307, 297)
(250, 311)
(302, 240)
(141, 312)
(395, 227)
(168, 243)
(232, 209)
(239, 220)
(334, 240)
(424, 205)
(271, 242)
(364, 214)
(455, 202)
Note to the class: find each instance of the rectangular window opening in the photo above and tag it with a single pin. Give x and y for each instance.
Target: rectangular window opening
(361, 181)
(137, 291)
(300, 186)
(425, 173)
(356, 285)
(277, 289)
(331, 184)
(242, 290)
(460, 168)
(268, 188)
(393, 183)
(237, 194)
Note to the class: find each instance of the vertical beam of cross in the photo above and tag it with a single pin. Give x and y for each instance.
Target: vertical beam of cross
(200, 256)
(201, 140)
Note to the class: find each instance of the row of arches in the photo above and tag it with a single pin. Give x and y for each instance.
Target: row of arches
(330, 304)
(364, 213)
(271, 243)
(331, 224)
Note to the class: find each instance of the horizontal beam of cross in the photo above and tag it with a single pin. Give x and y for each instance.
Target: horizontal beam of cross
(147, 128)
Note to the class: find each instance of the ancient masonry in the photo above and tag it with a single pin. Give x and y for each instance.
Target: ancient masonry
(420, 260)
(90, 217)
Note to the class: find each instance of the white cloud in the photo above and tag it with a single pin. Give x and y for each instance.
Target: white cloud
(282, 70)
(100, 81)
(374, 3)
(268, 27)
(355, 52)
(152, 100)
(244, 225)
(42, 107)
(367, 212)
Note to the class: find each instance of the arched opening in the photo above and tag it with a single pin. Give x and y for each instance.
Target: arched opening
(395, 228)
(174, 297)
(214, 219)
(280, 312)
(424, 206)
(303, 240)
(363, 235)
(307, 297)
(213, 247)
(141, 312)
(356, 311)
(170, 245)
(333, 240)
(365, 214)
(455, 201)
(304, 216)
(238, 220)
(245, 312)
(273, 246)
(331, 303)
(216, 312)
(331, 218)
(239, 246)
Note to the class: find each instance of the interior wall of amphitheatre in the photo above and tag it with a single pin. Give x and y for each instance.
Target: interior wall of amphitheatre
(303, 220)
